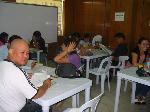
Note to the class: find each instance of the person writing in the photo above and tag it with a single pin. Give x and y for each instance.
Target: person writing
(15, 85)
(138, 56)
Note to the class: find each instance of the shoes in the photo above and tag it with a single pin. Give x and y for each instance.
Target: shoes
(140, 100)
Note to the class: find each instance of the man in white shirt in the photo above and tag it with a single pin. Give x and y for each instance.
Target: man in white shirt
(15, 86)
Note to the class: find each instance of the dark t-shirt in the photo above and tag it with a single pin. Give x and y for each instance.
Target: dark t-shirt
(137, 51)
(121, 50)
(40, 42)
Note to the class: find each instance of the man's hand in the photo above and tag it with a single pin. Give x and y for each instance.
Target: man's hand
(47, 82)
(33, 64)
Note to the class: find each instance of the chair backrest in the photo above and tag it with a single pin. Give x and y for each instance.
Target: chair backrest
(46, 47)
(104, 48)
(122, 61)
(38, 55)
(105, 64)
(81, 68)
(92, 104)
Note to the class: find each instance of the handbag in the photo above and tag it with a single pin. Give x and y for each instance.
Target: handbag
(67, 70)
(142, 73)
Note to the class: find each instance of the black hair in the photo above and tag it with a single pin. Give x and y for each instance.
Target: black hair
(119, 35)
(141, 39)
(37, 34)
(3, 37)
(76, 34)
(87, 35)
(4, 34)
(68, 40)
(12, 38)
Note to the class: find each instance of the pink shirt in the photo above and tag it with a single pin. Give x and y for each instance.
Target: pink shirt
(1, 43)
(142, 58)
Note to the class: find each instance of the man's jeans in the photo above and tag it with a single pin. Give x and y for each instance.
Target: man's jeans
(31, 106)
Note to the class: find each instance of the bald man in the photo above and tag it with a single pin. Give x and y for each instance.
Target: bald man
(15, 87)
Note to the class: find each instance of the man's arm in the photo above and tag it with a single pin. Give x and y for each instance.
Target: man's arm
(42, 89)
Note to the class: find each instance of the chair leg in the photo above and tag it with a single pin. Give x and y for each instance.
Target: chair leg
(103, 76)
(114, 70)
(108, 82)
(78, 100)
(133, 92)
(38, 57)
(97, 79)
(125, 86)
(46, 61)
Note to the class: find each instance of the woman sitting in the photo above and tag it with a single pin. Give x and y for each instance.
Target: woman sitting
(68, 53)
(138, 56)
(38, 43)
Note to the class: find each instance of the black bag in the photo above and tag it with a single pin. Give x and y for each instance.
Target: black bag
(67, 70)
(142, 73)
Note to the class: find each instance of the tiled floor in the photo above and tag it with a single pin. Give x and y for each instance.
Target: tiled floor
(108, 100)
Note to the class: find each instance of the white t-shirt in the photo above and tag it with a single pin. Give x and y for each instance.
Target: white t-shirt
(97, 38)
(14, 88)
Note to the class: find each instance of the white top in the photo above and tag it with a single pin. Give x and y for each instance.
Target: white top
(14, 88)
(97, 38)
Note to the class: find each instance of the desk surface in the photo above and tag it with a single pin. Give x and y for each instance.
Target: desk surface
(130, 74)
(96, 53)
(62, 89)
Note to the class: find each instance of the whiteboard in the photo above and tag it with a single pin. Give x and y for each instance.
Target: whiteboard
(23, 20)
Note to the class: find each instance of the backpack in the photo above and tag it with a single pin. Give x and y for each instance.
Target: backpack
(67, 70)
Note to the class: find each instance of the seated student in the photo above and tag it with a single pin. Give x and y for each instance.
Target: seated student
(3, 38)
(96, 40)
(37, 43)
(15, 85)
(3, 46)
(121, 49)
(68, 53)
(3, 52)
(85, 41)
(138, 56)
(85, 45)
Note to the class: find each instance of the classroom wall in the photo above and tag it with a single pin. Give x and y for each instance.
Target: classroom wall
(98, 16)
(52, 42)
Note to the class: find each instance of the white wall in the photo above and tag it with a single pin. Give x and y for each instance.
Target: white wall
(23, 20)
